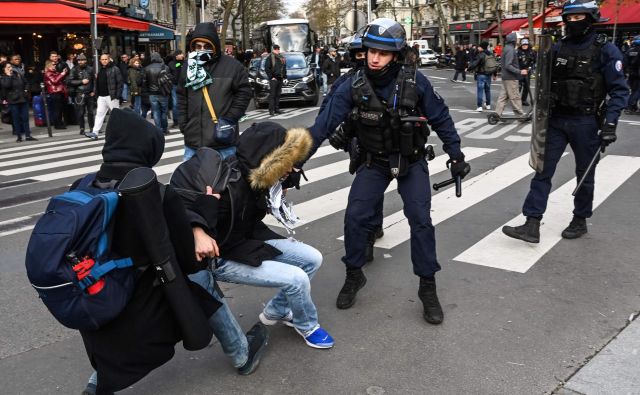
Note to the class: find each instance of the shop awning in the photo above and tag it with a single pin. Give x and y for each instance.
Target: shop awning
(156, 33)
(508, 25)
(551, 17)
(122, 23)
(18, 13)
(627, 14)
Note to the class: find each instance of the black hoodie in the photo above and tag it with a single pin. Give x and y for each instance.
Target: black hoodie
(230, 93)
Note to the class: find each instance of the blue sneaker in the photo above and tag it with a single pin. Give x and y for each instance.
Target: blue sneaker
(318, 338)
(268, 320)
(91, 135)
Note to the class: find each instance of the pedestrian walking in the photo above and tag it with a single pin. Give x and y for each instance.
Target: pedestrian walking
(317, 58)
(14, 91)
(54, 82)
(365, 102)
(107, 90)
(331, 67)
(135, 79)
(527, 61)
(154, 77)
(577, 95)
(81, 91)
(485, 68)
(209, 111)
(276, 69)
(462, 62)
(123, 66)
(511, 74)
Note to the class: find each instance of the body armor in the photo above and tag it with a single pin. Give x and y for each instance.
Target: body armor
(378, 124)
(577, 86)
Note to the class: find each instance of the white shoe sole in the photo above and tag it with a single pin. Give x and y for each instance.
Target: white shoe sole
(263, 318)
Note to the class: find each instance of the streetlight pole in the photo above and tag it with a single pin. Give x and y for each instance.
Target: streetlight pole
(94, 34)
(202, 2)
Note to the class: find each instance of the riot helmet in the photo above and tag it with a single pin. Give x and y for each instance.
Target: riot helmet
(588, 7)
(357, 50)
(384, 34)
(636, 40)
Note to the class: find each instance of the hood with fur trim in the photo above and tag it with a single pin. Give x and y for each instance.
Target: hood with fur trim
(267, 151)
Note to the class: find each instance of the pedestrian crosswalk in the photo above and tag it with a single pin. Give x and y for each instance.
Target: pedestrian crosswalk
(325, 195)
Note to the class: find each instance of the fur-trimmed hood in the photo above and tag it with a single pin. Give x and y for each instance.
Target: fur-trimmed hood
(266, 151)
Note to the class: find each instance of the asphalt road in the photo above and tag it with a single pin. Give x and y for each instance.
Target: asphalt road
(519, 319)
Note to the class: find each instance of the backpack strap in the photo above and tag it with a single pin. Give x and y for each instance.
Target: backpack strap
(205, 92)
(87, 180)
(100, 270)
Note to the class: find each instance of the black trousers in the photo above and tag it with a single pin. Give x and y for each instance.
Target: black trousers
(525, 91)
(275, 88)
(57, 103)
(85, 104)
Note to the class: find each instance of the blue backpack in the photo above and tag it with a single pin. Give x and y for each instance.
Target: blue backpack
(74, 232)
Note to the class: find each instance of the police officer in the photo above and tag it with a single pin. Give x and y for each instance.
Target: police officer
(585, 70)
(377, 99)
(527, 60)
(632, 67)
(344, 136)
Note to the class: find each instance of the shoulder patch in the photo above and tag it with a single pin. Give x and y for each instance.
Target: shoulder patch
(618, 65)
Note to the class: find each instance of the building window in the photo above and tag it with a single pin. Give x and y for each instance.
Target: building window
(515, 7)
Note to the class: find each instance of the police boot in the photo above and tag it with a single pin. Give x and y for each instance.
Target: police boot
(371, 240)
(432, 312)
(378, 232)
(529, 232)
(576, 228)
(352, 284)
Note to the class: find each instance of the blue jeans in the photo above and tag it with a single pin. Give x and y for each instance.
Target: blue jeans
(364, 208)
(125, 91)
(20, 119)
(225, 152)
(159, 109)
(290, 271)
(224, 324)
(581, 133)
(174, 100)
(137, 104)
(484, 86)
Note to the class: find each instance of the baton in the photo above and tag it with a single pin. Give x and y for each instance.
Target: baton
(586, 173)
(457, 180)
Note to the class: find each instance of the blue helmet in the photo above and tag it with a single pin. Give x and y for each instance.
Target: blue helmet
(636, 40)
(356, 44)
(384, 34)
(588, 7)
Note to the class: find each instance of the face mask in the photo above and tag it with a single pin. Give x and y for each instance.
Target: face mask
(203, 56)
(360, 62)
(578, 29)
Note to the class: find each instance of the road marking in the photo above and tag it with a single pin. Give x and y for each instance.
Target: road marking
(501, 252)
(331, 203)
(17, 230)
(13, 221)
(295, 113)
(445, 205)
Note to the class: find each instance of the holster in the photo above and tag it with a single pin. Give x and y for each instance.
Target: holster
(140, 192)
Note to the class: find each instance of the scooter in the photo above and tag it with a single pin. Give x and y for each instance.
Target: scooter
(493, 118)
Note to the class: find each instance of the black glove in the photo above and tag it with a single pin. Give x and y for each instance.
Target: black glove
(608, 134)
(459, 167)
(339, 139)
(293, 180)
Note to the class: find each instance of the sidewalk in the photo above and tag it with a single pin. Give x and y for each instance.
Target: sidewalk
(38, 132)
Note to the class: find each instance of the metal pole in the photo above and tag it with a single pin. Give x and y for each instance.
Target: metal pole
(355, 16)
(94, 34)
(368, 11)
(202, 13)
(43, 95)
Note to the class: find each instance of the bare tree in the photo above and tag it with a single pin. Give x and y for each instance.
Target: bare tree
(444, 24)
(529, 8)
(498, 8)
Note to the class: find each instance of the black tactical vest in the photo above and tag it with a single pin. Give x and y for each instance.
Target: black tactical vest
(577, 86)
(378, 124)
(633, 56)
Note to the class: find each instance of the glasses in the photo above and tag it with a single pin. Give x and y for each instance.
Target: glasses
(202, 46)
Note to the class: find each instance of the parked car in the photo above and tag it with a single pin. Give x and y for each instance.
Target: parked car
(300, 86)
(427, 57)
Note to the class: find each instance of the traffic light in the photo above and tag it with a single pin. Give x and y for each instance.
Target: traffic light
(374, 4)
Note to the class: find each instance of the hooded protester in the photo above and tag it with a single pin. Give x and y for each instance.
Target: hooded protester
(208, 112)
(247, 251)
(511, 74)
(151, 84)
(143, 336)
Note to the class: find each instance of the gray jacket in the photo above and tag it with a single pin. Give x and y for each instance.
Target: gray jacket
(509, 61)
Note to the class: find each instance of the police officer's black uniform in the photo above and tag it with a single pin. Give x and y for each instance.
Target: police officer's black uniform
(632, 67)
(527, 60)
(585, 70)
(376, 101)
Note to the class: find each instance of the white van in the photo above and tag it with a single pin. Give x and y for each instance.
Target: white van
(424, 44)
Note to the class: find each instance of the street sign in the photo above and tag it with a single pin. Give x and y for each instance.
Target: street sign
(407, 20)
(361, 20)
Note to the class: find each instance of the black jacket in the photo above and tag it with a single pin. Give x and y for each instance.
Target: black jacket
(477, 65)
(151, 74)
(462, 60)
(331, 68)
(175, 66)
(275, 67)
(230, 94)
(74, 82)
(135, 80)
(114, 82)
(14, 89)
(124, 68)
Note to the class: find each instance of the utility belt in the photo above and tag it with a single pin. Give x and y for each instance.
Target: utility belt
(383, 160)
(564, 110)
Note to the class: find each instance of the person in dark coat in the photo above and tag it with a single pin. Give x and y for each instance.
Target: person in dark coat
(275, 66)
(247, 251)
(331, 67)
(56, 90)
(14, 91)
(175, 66)
(80, 82)
(462, 62)
(144, 335)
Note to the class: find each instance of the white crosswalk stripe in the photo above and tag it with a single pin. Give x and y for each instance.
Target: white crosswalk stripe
(501, 252)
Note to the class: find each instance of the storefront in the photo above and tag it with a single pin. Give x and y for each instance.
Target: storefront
(467, 32)
(431, 34)
(158, 38)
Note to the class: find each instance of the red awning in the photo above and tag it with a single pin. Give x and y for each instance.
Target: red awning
(18, 13)
(551, 17)
(122, 23)
(508, 25)
(627, 14)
